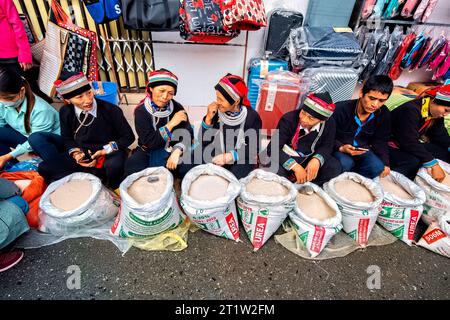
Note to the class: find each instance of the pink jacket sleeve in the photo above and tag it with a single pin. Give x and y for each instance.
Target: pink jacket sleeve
(21, 37)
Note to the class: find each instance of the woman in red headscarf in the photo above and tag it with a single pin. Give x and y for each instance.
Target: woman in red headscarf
(419, 136)
(230, 129)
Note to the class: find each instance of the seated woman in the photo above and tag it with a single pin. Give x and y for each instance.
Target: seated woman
(94, 136)
(21, 114)
(162, 126)
(306, 141)
(230, 129)
(419, 136)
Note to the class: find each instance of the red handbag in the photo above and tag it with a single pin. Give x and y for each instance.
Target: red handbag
(396, 71)
(202, 21)
(244, 14)
(63, 20)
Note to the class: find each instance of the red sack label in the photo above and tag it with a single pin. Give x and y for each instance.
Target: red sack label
(363, 227)
(232, 225)
(260, 230)
(319, 235)
(433, 236)
(413, 224)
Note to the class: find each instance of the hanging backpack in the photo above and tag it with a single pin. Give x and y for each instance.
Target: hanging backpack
(103, 11)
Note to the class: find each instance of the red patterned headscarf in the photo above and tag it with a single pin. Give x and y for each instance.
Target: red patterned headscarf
(233, 88)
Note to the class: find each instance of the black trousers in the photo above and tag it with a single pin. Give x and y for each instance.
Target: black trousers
(408, 165)
(111, 173)
(330, 169)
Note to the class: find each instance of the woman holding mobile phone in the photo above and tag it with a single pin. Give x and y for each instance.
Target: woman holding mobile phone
(94, 136)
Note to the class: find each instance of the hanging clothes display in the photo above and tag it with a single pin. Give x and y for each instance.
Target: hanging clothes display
(395, 40)
(409, 7)
(395, 70)
(379, 48)
(438, 59)
(392, 9)
(424, 10)
(414, 52)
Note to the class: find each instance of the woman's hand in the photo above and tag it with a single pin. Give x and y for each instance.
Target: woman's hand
(78, 156)
(385, 172)
(437, 173)
(211, 112)
(88, 164)
(4, 159)
(25, 66)
(173, 160)
(312, 169)
(301, 176)
(178, 118)
(223, 159)
(99, 154)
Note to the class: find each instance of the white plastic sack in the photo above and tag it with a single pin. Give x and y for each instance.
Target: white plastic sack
(98, 209)
(137, 220)
(438, 194)
(263, 215)
(437, 236)
(400, 216)
(314, 233)
(358, 218)
(217, 216)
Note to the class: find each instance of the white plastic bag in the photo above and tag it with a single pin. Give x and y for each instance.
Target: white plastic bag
(437, 236)
(263, 215)
(314, 233)
(358, 218)
(137, 220)
(218, 216)
(98, 209)
(438, 194)
(400, 216)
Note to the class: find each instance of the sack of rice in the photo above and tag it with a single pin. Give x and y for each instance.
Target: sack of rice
(359, 200)
(437, 236)
(264, 203)
(207, 197)
(438, 194)
(149, 204)
(402, 206)
(76, 202)
(316, 218)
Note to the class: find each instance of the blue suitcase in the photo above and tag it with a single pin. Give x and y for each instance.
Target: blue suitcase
(257, 72)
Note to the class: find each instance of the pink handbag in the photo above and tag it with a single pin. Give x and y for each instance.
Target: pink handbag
(368, 8)
(243, 14)
(409, 7)
(439, 57)
(442, 69)
(424, 10)
(429, 10)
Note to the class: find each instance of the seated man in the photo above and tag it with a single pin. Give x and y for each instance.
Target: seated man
(419, 136)
(362, 129)
(305, 142)
(94, 136)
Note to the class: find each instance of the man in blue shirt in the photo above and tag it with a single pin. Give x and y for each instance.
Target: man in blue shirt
(362, 129)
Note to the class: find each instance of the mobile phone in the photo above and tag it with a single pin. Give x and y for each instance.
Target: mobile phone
(361, 149)
(87, 156)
